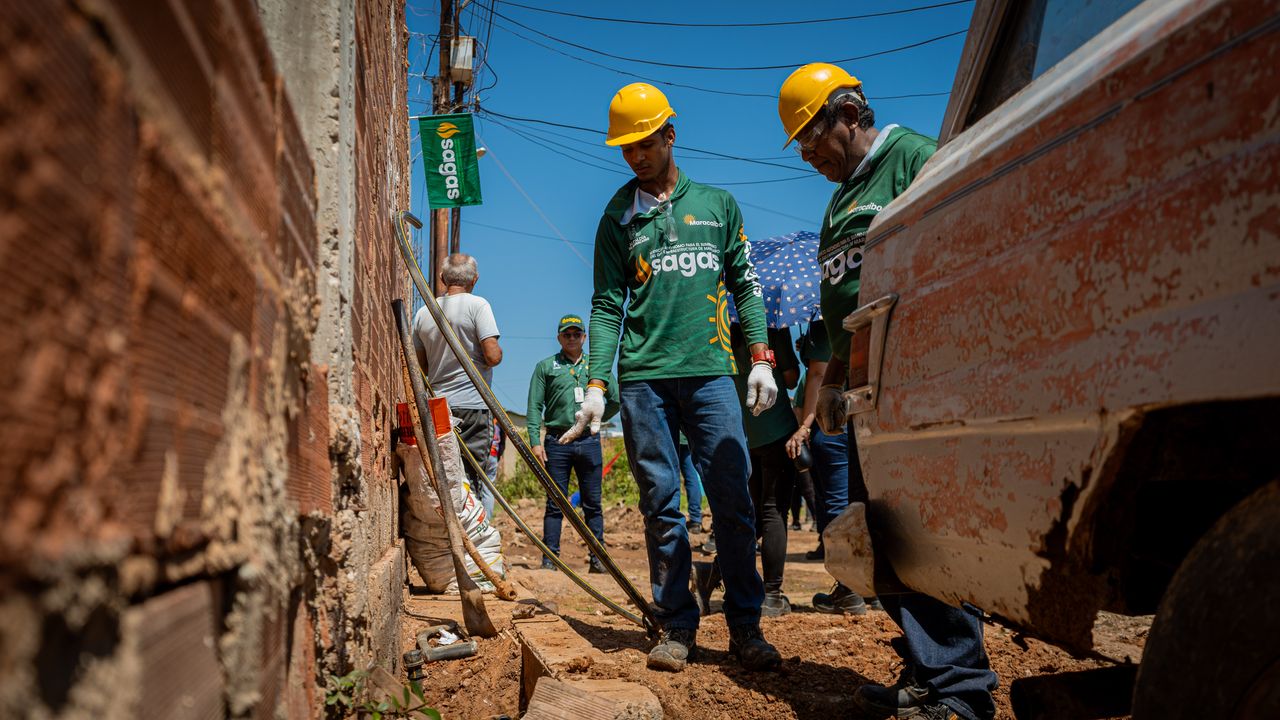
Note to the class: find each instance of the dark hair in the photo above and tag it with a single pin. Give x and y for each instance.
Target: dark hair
(842, 95)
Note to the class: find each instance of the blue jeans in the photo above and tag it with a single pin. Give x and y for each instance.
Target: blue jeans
(709, 412)
(830, 473)
(943, 644)
(692, 485)
(944, 647)
(584, 458)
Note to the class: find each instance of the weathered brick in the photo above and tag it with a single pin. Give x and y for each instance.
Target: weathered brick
(168, 41)
(310, 482)
(175, 636)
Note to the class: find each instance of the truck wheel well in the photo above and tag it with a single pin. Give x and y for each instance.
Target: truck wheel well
(1185, 467)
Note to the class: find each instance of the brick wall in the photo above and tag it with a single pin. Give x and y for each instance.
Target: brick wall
(197, 510)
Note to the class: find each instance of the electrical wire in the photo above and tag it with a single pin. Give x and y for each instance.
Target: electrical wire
(548, 145)
(672, 83)
(523, 234)
(807, 221)
(534, 205)
(724, 68)
(688, 148)
(740, 25)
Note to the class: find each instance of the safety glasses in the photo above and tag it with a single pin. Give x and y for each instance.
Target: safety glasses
(807, 140)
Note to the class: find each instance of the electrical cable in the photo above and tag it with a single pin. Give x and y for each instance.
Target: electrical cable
(522, 233)
(686, 86)
(534, 205)
(740, 25)
(549, 147)
(723, 68)
(688, 148)
(621, 172)
(777, 212)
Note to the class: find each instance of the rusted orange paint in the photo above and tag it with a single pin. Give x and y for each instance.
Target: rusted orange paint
(1104, 242)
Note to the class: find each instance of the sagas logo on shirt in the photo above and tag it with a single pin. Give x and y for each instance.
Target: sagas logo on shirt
(691, 220)
(842, 258)
(685, 262)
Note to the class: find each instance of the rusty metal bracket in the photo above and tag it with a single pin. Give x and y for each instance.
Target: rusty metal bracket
(876, 314)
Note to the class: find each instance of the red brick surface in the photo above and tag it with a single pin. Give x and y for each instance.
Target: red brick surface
(158, 266)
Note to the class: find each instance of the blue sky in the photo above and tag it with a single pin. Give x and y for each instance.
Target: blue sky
(527, 272)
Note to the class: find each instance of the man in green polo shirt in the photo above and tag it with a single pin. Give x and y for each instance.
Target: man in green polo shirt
(824, 110)
(668, 251)
(556, 392)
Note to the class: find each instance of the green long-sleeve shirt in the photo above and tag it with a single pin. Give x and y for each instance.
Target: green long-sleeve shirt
(552, 397)
(895, 158)
(672, 266)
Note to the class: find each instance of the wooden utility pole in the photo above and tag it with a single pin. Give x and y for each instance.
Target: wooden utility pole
(455, 219)
(443, 104)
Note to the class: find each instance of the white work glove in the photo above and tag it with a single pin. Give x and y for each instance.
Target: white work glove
(830, 412)
(590, 414)
(761, 389)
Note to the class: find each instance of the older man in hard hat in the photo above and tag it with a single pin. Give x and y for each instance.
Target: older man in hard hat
(670, 248)
(823, 109)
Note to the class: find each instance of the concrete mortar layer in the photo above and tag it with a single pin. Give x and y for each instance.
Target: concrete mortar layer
(319, 45)
(167, 302)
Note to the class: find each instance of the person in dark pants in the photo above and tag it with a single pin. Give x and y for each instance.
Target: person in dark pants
(692, 487)
(829, 463)
(773, 474)
(556, 391)
(805, 493)
(824, 110)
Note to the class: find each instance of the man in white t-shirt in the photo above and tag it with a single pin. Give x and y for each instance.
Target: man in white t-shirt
(473, 323)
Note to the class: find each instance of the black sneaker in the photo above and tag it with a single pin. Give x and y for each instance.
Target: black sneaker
(840, 601)
(902, 700)
(795, 524)
(674, 650)
(547, 564)
(594, 566)
(818, 553)
(775, 604)
(752, 650)
(694, 528)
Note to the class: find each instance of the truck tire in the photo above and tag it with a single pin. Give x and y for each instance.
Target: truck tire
(1214, 649)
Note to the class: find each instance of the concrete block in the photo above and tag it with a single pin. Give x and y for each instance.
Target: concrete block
(592, 700)
(549, 646)
(385, 602)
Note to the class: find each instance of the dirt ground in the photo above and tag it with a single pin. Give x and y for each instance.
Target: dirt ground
(826, 657)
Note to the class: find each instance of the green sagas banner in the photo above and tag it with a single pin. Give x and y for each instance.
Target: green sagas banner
(449, 154)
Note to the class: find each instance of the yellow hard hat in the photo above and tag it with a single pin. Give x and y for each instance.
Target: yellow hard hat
(635, 112)
(804, 93)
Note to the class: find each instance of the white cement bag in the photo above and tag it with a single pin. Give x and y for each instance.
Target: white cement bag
(427, 538)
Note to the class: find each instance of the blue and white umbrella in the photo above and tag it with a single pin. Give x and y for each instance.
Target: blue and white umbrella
(789, 275)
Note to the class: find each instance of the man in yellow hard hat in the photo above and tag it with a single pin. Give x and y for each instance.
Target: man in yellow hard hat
(671, 249)
(824, 110)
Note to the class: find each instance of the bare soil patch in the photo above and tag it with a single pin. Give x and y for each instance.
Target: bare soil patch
(826, 657)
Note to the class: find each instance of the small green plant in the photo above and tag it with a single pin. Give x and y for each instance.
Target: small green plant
(350, 692)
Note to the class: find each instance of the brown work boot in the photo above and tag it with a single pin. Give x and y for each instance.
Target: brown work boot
(674, 650)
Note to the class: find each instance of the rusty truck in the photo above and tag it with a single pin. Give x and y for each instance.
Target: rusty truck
(1068, 356)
